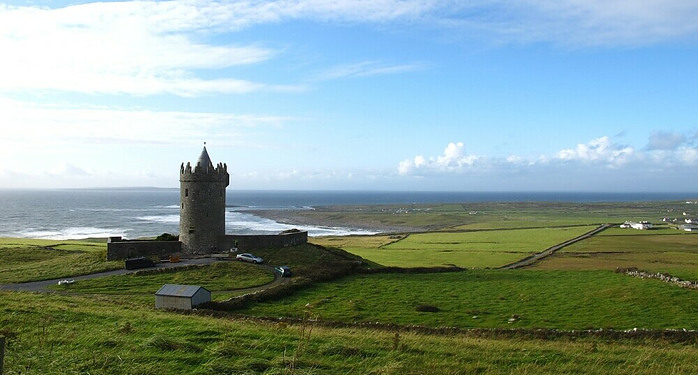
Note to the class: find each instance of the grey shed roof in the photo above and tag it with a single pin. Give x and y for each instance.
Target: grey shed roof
(175, 290)
(204, 160)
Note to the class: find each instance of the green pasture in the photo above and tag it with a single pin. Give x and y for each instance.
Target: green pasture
(30, 260)
(479, 249)
(491, 215)
(60, 334)
(220, 278)
(671, 251)
(489, 298)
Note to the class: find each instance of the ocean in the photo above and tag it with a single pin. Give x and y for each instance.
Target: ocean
(147, 212)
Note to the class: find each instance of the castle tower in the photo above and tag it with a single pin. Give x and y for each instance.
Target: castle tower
(202, 212)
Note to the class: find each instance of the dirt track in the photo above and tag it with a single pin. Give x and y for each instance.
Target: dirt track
(551, 250)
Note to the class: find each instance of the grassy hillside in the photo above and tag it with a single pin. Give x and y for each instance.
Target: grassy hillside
(489, 298)
(31, 260)
(55, 334)
(219, 278)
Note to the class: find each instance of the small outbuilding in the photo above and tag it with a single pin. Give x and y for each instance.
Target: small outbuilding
(182, 297)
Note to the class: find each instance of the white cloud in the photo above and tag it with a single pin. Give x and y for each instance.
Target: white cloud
(586, 22)
(146, 47)
(137, 48)
(69, 170)
(598, 150)
(591, 157)
(452, 160)
(366, 69)
(687, 155)
(36, 124)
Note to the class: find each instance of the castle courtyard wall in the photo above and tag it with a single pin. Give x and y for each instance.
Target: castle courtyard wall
(124, 249)
(119, 249)
(250, 242)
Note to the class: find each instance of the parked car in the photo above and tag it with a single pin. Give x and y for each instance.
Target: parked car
(283, 271)
(65, 282)
(247, 257)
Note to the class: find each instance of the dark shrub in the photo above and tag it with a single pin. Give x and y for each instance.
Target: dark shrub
(167, 237)
(427, 308)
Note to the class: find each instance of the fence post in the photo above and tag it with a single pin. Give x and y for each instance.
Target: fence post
(2, 352)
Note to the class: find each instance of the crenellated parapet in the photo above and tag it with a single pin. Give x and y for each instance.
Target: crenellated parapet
(219, 173)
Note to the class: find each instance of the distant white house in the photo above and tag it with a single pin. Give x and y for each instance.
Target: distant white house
(689, 228)
(182, 297)
(641, 225)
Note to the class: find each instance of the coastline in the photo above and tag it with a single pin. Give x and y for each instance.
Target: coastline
(326, 217)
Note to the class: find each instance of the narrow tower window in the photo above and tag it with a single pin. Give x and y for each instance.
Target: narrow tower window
(186, 192)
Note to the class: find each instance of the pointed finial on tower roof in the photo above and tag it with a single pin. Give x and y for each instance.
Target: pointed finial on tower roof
(204, 160)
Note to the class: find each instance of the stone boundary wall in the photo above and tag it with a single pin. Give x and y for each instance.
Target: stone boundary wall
(667, 278)
(118, 249)
(251, 242)
(123, 249)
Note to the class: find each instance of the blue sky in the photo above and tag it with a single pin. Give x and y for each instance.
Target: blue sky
(535, 95)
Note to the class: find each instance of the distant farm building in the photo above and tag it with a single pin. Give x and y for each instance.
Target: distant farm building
(641, 225)
(181, 297)
(689, 228)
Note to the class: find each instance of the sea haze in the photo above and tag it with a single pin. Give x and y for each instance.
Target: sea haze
(134, 213)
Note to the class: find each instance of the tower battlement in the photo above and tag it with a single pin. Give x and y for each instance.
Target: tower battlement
(201, 173)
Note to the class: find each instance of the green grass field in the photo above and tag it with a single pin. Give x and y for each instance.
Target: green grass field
(667, 250)
(219, 278)
(491, 215)
(30, 260)
(56, 334)
(479, 249)
(541, 299)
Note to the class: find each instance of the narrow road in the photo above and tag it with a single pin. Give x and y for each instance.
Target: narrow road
(525, 262)
(42, 286)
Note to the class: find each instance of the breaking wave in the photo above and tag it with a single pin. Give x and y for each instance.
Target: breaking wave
(72, 233)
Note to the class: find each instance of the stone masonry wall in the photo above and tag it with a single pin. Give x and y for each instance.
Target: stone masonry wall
(257, 241)
(135, 248)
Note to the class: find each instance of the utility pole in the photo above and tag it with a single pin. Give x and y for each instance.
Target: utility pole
(2, 352)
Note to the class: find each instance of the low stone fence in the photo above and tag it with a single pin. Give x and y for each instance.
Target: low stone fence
(667, 278)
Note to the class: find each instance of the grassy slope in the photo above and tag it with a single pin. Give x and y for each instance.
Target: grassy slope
(54, 334)
(217, 277)
(30, 260)
(542, 299)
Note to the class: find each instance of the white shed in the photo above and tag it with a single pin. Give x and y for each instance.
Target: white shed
(182, 297)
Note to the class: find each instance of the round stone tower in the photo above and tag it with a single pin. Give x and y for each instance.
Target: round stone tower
(202, 212)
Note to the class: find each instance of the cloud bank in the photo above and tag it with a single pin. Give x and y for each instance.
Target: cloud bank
(600, 154)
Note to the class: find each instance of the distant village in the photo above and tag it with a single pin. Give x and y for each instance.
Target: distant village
(687, 222)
